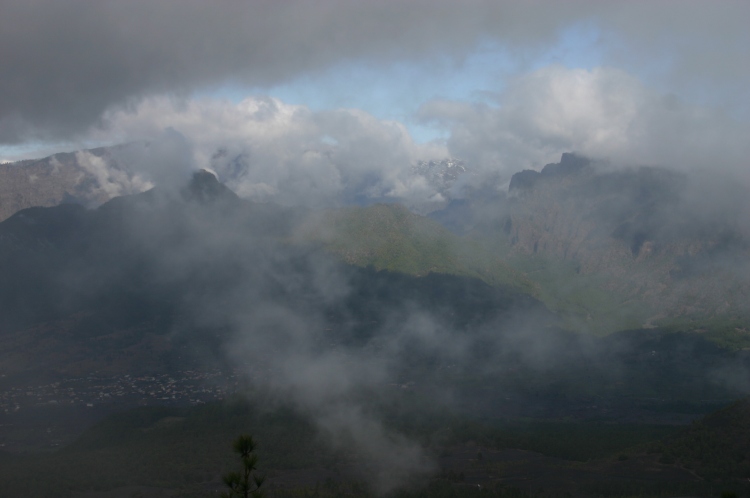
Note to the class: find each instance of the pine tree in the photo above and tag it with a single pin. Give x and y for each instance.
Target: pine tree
(246, 483)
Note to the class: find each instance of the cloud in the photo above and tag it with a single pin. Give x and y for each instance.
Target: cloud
(268, 150)
(326, 385)
(603, 113)
(111, 182)
(64, 64)
(265, 149)
(272, 305)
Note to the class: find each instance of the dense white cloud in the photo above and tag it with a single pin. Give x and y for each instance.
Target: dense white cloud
(603, 113)
(111, 181)
(265, 149)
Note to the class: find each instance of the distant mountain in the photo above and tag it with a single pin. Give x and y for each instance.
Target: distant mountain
(92, 177)
(607, 248)
(644, 231)
(641, 245)
(86, 177)
(441, 174)
(46, 182)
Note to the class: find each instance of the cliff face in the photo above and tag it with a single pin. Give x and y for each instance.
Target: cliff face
(595, 219)
(638, 229)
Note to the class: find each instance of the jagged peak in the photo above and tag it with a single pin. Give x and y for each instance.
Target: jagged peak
(440, 173)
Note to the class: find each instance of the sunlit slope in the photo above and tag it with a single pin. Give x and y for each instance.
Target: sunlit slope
(584, 302)
(390, 237)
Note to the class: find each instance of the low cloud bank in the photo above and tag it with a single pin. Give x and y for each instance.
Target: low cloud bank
(604, 113)
(267, 150)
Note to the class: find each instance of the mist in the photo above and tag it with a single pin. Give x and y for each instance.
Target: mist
(221, 277)
(575, 229)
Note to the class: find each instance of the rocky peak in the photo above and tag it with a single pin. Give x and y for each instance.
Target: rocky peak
(440, 174)
(204, 187)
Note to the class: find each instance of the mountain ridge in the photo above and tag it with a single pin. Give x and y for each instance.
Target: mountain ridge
(631, 238)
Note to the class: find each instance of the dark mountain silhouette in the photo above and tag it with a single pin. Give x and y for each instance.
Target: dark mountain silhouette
(205, 187)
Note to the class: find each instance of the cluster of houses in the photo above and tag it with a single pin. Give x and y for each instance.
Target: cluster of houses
(187, 387)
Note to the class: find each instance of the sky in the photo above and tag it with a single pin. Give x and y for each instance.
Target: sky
(326, 95)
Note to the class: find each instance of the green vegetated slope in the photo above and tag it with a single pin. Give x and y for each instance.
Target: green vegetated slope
(601, 304)
(583, 302)
(391, 237)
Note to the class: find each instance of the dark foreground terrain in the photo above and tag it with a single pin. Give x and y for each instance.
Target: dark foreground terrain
(176, 451)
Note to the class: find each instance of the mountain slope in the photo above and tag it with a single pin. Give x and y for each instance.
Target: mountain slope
(389, 236)
(86, 177)
(607, 249)
(639, 246)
